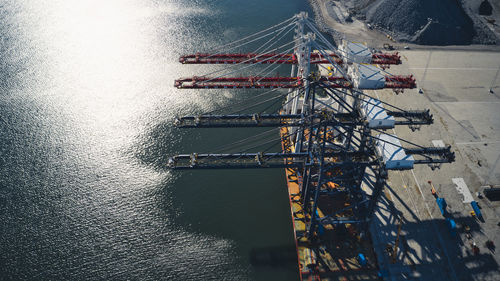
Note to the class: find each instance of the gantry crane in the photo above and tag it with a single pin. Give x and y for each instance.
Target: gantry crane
(331, 132)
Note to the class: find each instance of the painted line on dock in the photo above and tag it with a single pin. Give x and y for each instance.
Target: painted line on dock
(441, 241)
(476, 142)
(453, 68)
(473, 102)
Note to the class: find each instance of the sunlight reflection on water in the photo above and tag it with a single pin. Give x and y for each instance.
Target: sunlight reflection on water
(86, 105)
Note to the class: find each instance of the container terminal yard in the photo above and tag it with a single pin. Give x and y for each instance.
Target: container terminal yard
(367, 138)
(248, 140)
(455, 85)
(460, 85)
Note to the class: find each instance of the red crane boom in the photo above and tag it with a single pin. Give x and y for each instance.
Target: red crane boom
(269, 58)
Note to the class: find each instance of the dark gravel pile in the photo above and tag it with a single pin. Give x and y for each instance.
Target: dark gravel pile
(424, 21)
(428, 22)
(485, 8)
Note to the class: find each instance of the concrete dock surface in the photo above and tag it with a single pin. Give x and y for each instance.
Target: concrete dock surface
(455, 85)
(461, 87)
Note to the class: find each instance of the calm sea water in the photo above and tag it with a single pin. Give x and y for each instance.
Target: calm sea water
(86, 105)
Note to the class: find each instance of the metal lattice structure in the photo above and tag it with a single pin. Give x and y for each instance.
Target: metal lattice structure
(331, 132)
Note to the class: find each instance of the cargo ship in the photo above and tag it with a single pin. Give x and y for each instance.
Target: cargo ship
(335, 147)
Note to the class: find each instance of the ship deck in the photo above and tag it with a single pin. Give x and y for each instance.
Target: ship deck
(334, 255)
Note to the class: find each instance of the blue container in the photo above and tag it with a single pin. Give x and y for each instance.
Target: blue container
(476, 209)
(442, 205)
(362, 260)
(452, 226)
(321, 229)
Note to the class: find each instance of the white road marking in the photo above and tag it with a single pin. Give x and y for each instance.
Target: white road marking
(473, 102)
(438, 143)
(476, 142)
(454, 68)
(462, 188)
